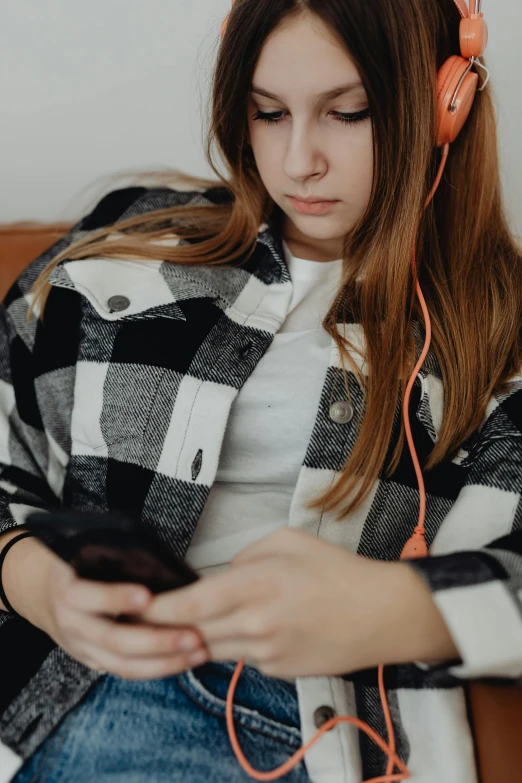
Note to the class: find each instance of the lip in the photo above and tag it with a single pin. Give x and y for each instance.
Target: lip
(311, 207)
(311, 199)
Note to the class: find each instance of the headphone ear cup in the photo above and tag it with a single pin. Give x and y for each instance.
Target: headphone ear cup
(449, 124)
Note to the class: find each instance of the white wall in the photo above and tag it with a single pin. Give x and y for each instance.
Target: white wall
(89, 89)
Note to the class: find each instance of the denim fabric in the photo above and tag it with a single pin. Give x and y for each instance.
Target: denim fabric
(172, 729)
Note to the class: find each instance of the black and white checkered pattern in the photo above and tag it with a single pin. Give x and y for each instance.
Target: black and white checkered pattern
(127, 410)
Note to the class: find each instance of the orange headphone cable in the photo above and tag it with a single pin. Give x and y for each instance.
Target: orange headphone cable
(414, 547)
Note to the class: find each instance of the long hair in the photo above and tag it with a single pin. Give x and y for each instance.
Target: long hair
(469, 265)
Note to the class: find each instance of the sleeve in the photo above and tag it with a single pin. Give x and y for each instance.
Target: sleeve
(36, 389)
(478, 590)
(24, 453)
(38, 361)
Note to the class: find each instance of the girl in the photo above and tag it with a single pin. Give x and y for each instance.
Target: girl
(228, 361)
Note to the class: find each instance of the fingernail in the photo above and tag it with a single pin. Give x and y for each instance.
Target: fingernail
(139, 599)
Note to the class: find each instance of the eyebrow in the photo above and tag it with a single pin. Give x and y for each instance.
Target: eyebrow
(335, 93)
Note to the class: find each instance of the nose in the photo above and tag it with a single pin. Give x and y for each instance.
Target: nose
(303, 157)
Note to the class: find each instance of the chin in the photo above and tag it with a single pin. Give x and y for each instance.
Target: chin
(319, 227)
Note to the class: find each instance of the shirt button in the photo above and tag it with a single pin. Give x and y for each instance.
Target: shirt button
(341, 412)
(245, 350)
(323, 714)
(118, 303)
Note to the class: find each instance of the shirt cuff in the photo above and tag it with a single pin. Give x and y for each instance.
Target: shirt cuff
(471, 591)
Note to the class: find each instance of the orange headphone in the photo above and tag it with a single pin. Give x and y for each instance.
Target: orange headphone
(456, 89)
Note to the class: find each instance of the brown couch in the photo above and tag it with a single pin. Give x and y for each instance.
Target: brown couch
(21, 243)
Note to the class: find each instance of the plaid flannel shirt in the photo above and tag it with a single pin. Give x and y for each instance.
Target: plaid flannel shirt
(126, 409)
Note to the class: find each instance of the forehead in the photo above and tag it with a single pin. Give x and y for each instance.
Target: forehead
(302, 58)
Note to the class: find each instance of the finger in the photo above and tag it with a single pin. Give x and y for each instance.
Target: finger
(101, 597)
(132, 641)
(243, 625)
(274, 543)
(138, 668)
(235, 649)
(211, 596)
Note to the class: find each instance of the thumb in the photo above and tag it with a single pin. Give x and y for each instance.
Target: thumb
(271, 544)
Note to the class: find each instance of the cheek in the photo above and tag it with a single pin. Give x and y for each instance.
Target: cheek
(261, 141)
(358, 169)
(268, 160)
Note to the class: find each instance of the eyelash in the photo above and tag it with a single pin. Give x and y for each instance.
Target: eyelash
(347, 119)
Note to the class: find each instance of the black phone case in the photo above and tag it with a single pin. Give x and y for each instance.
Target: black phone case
(110, 548)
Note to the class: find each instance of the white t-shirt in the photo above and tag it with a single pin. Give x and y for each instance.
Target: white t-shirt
(270, 424)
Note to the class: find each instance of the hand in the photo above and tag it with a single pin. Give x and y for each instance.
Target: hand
(299, 606)
(79, 614)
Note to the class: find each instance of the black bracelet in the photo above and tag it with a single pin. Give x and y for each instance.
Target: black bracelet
(3, 553)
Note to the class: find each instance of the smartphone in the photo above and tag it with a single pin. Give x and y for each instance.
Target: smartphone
(110, 548)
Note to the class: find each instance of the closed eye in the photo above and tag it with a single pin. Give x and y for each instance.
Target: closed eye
(349, 119)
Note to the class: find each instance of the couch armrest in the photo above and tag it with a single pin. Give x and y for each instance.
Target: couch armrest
(21, 243)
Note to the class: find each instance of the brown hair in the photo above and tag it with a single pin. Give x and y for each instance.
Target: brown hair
(470, 267)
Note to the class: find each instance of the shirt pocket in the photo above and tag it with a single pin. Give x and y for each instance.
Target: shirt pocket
(113, 405)
(115, 395)
(263, 705)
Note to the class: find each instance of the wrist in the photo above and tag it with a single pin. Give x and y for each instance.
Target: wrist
(7, 541)
(409, 626)
(24, 572)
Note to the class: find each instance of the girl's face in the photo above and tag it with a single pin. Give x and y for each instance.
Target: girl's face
(307, 150)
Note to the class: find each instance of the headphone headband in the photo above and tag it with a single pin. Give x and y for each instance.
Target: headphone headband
(464, 11)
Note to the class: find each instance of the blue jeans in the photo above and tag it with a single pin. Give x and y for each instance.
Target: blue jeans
(172, 729)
